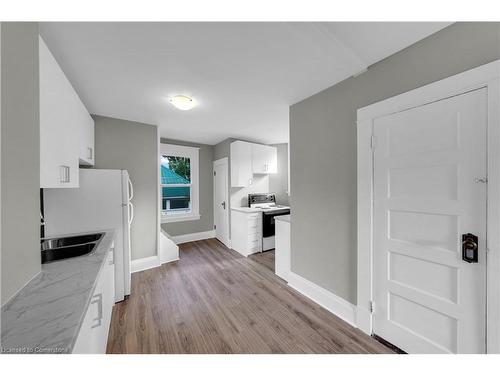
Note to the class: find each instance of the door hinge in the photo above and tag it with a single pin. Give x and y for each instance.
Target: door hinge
(215, 226)
(371, 307)
(215, 173)
(372, 141)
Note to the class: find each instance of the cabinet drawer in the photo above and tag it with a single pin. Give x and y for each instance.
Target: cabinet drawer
(252, 240)
(254, 246)
(254, 227)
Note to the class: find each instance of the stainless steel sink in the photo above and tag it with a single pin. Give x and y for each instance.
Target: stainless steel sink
(68, 247)
(54, 243)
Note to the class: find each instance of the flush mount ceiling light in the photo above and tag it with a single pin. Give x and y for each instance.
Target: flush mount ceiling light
(182, 102)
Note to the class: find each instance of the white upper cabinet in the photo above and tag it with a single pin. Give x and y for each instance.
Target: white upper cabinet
(85, 124)
(241, 164)
(66, 128)
(248, 159)
(59, 145)
(264, 159)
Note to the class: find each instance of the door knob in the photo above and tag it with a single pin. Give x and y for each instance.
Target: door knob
(223, 204)
(469, 248)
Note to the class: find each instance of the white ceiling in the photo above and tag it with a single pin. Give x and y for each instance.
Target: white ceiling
(243, 75)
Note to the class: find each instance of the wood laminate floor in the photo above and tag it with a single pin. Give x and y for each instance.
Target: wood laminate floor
(265, 258)
(214, 300)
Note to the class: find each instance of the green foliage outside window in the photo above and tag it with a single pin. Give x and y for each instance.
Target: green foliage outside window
(180, 165)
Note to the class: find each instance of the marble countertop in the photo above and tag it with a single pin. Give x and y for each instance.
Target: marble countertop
(285, 218)
(45, 316)
(246, 209)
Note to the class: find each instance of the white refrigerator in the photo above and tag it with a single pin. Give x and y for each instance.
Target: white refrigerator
(103, 201)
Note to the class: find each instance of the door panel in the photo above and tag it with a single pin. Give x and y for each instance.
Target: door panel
(221, 205)
(426, 160)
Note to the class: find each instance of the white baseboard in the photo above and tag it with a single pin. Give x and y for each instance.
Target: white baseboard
(173, 255)
(333, 303)
(144, 263)
(193, 237)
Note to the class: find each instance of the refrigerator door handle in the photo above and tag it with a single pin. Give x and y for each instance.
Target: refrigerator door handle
(131, 213)
(130, 190)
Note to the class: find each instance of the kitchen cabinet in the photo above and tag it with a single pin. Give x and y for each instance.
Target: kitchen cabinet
(246, 232)
(241, 164)
(93, 335)
(248, 159)
(66, 128)
(264, 159)
(85, 125)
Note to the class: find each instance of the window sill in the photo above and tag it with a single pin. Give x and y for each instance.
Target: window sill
(177, 218)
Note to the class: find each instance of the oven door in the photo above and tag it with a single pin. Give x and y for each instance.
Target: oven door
(268, 226)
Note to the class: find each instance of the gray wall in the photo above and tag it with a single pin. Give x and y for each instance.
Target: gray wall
(122, 144)
(206, 193)
(20, 170)
(278, 183)
(323, 147)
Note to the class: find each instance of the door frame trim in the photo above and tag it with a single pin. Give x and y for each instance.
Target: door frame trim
(218, 162)
(485, 76)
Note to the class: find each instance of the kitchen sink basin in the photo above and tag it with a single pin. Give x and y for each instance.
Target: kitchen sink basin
(68, 247)
(67, 252)
(54, 243)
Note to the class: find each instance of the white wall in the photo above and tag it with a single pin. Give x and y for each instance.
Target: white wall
(278, 183)
(239, 196)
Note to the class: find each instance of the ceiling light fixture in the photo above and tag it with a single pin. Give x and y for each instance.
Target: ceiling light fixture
(182, 102)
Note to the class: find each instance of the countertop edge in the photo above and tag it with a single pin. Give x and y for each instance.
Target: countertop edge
(283, 218)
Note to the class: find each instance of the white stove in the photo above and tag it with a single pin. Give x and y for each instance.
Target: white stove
(272, 207)
(266, 202)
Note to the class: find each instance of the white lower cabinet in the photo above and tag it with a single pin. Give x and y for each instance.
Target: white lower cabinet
(246, 232)
(93, 335)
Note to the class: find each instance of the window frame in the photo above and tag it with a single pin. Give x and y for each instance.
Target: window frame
(193, 154)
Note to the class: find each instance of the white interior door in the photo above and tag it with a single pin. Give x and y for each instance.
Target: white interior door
(221, 209)
(429, 189)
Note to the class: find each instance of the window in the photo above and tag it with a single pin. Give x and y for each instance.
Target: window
(179, 183)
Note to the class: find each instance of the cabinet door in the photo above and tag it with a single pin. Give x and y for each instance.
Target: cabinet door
(59, 146)
(85, 124)
(264, 159)
(241, 164)
(108, 302)
(89, 338)
(93, 335)
(271, 155)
